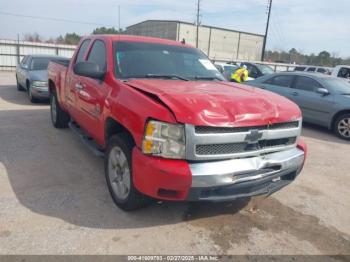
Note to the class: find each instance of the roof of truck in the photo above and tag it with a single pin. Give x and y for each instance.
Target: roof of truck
(133, 38)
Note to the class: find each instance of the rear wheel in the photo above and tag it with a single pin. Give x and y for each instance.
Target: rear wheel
(59, 118)
(342, 127)
(118, 171)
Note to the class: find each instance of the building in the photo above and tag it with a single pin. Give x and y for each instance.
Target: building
(217, 43)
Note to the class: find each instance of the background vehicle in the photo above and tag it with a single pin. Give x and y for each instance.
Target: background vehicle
(31, 75)
(257, 70)
(315, 69)
(341, 71)
(170, 126)
(226, 69)
(323, 100)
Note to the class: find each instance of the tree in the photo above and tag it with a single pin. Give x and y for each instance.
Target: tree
(71, 39)
(35, 37)
(106, 31)
(324, 58)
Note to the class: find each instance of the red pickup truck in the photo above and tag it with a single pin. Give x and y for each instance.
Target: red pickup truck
(168, 124)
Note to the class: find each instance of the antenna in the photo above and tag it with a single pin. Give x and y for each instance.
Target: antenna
(198, 21)
(119, 19)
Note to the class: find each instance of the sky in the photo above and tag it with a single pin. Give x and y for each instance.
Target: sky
(309, 26)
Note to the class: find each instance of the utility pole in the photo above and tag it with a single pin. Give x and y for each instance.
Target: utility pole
(267, 31)
(198, 21)
(119, 19)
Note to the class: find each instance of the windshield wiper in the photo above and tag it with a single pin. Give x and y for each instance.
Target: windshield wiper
(172, 76)
(210, 78)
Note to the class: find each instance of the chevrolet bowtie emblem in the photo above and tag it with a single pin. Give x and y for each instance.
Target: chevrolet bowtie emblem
(253, 136)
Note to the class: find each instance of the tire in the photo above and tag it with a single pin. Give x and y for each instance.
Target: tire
(19, 87)
(59, 118)
(32, 99)
(342, 127)
(118, 172)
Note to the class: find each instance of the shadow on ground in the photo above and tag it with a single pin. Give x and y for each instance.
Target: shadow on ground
(10, 94)
(321, 133)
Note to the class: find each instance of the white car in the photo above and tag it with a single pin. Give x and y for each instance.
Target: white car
(342, 71)
(314, 69)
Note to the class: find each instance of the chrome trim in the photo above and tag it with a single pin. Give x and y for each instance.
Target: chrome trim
(227, 172)
(193, 139)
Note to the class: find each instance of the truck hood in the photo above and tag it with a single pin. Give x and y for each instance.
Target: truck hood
(210, 103)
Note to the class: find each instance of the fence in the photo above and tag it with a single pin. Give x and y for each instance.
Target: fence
(12, 51)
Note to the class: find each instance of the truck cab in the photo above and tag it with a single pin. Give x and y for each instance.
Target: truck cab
(170, 126)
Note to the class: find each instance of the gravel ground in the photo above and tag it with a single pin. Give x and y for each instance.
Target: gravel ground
(54, 200)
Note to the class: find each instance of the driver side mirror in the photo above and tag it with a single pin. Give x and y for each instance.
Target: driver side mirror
(322, 91)
(89, 69)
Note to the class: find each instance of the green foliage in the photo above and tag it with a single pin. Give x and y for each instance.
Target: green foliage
(107, 31)
(72, 39)
(324, 58)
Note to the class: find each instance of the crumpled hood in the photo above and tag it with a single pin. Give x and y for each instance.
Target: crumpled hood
(210, 103)
(38, 75)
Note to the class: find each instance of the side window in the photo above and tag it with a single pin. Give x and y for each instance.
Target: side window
(98, 54)
(284, 81)
(299, 68)
(307, 84)
(321, 70)
(344, 72)
(82, 51)
(311, 69)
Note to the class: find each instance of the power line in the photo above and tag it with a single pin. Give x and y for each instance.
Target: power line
(52, 19)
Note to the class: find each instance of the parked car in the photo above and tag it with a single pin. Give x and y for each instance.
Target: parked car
(314, 69)
(342, 71)
(31, 75)
(324, 100)
(257, 70)
(226, 69)
(170, 126)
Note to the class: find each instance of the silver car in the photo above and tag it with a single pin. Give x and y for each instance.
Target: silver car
(323, 100)
(31, 75)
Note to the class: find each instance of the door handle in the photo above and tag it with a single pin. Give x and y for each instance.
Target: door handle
(295, 93)
(79, 87)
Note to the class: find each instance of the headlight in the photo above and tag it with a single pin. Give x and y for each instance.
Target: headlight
(39, 84)
(164, 140)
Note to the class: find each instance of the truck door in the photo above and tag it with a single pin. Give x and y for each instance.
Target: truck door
(316, 107)
(93, 92)
(73, 82)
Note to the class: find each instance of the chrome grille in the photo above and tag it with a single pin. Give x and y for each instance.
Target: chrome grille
(234, 148)
(217, 143)
(223, 130)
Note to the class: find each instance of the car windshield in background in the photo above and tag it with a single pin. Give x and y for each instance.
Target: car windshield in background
(341, 86)
(265, 70)
(149, 60)
(39, 63)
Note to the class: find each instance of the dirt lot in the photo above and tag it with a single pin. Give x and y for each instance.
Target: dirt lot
(54, 200)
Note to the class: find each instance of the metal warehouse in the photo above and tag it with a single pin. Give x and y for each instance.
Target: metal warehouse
(217, 43)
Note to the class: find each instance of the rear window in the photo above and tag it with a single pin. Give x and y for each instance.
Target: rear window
(39, 63)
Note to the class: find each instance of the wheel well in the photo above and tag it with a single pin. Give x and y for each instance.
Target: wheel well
(112, 127)
(337, 115)
(52, 87)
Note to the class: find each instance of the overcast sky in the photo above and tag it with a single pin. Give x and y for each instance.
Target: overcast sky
(309, 26)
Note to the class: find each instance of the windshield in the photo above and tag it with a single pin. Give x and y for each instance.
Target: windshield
(142, 60)
(265, 70)
(39, 63)
(340, 86)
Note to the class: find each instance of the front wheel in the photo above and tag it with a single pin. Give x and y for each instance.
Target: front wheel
(342, 127)
(19, 87)
(118, 171)
(31, 97)
(59, 118)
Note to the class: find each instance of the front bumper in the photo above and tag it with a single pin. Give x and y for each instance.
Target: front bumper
(40, 92)
(217, 180)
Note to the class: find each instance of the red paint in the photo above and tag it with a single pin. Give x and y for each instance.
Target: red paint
(131, 104)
